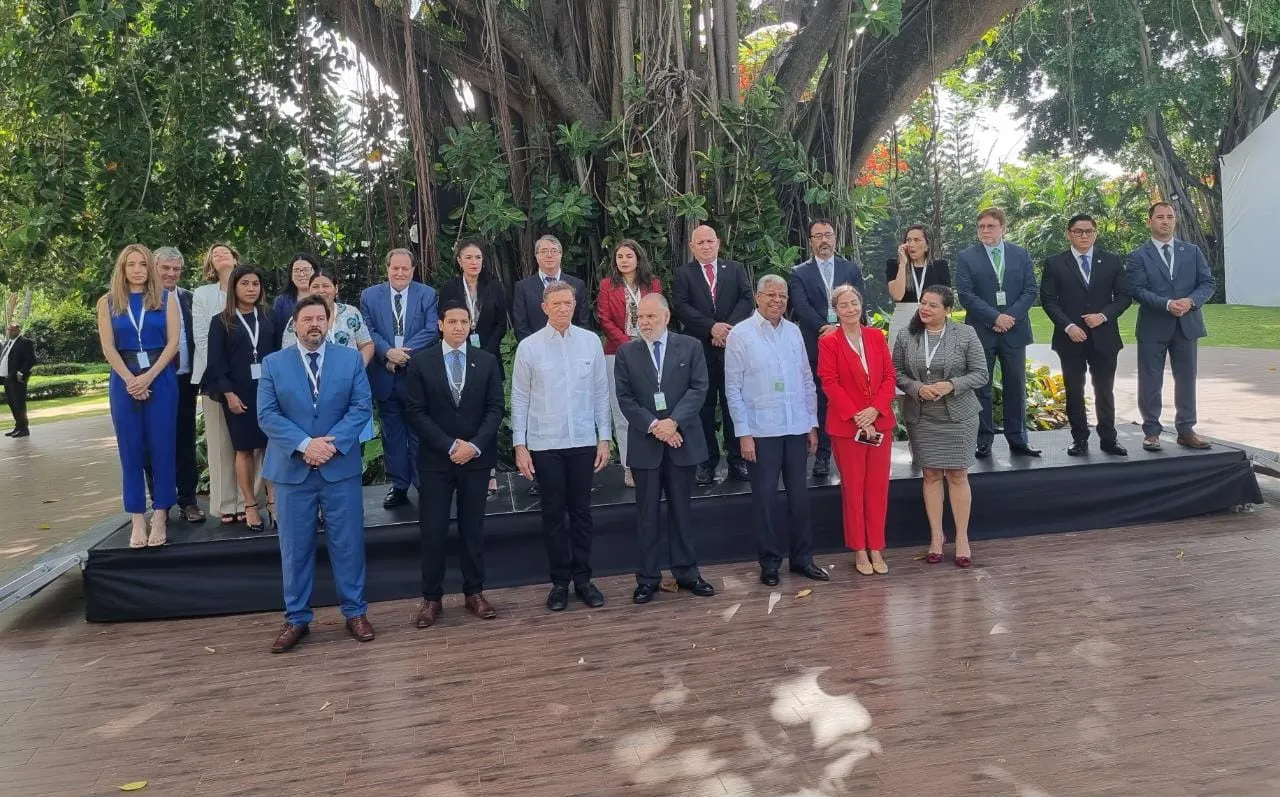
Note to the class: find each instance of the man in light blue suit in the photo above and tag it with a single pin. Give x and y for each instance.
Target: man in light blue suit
(1171, 281)
(997, 285)
(401, 315)
(313, 402)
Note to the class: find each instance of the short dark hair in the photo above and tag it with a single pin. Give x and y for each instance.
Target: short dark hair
(945, 295)
(1151, 211)
(816, 222)
(317, 274)
(1081, 217)
(453, 304)
(310, 301)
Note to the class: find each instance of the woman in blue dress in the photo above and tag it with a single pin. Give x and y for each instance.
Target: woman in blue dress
(138, 328)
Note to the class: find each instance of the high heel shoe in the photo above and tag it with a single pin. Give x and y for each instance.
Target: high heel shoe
(138, 536)
(933, 558)
(963, 561)
(254, 527)
(271, 513)
(159, 530)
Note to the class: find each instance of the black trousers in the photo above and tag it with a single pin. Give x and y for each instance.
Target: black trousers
(185, 438)
(1101, 367)
(439, 487)
(787, 457)
(675, 540)
(15, 393)
(824, 440)
(1013, 382)
(564, 485)
(716, 397)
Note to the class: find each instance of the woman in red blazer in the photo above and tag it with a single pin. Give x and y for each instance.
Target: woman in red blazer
(856, 372)
(617, 303)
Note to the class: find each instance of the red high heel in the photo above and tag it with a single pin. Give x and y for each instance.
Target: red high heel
(963, 561)
(933, 558)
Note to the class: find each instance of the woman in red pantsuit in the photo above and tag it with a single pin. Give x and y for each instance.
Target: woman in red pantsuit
(856, 372)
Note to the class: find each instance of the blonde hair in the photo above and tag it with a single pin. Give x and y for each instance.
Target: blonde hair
(118, 295)
(211, 273)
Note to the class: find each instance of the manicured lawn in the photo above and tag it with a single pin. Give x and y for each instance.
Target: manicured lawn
(59, 409)
(1230, 325)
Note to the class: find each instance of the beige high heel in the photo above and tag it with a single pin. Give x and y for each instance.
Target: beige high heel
(138, 537)
(159, 528)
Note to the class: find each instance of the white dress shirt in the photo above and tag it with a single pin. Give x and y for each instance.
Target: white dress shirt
(303, 351)
(4, 358)
(560, 391)
(448, 376)
(768, 384)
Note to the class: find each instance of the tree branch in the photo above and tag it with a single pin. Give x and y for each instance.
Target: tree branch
(805, 54)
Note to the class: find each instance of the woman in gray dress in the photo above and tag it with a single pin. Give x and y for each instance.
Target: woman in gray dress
(940, 364)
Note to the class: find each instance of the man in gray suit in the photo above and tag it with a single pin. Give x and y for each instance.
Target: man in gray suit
(997, 285)
(662, 383)
(1171, 281)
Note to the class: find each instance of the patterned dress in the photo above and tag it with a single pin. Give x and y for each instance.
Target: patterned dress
(348, 329)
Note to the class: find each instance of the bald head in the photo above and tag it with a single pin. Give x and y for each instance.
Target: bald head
(704, 244)
(652, 316)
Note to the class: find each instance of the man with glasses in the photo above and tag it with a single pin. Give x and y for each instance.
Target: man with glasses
(997, 285)
(1083, 291)
(811, 285)
(526, 308)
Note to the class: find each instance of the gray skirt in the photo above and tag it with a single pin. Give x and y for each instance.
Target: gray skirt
(939, 442)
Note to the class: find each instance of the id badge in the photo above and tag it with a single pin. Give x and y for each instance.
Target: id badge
(255, 370)
(659, 402)
(144, 362)
(400, 338)
(475, 340)
(1000, 298)
(779, 386)
(831, 317)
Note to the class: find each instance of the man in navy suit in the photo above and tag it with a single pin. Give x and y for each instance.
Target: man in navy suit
(811, 284)
(1171, 280)
(401, 315)
(169, 262)
(997, 285)
(526, 308)
(313, 402)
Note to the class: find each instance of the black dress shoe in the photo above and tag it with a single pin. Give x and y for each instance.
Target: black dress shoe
(705, 476)
(1079, 448)
(20, 433)
(821, 468)
(558, 599)
(10, 433)
(700, 588)
(812, 571)
(1112, 447)
(769, 578)
(739, 473)
(395, 497)
(644, 593)
(1023, 450)
(588, 594)
(982, 451)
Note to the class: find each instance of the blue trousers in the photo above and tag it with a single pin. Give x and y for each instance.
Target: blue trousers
(344, 537)
(145, 436)
(399, 442)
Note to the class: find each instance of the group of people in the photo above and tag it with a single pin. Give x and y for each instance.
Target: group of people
(299, 384)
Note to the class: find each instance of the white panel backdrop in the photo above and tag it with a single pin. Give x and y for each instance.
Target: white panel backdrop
(1251, 216)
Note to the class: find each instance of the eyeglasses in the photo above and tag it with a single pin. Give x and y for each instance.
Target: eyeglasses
(821, 236)
(1083, 231)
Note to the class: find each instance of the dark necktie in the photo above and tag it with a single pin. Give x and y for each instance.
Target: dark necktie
(709, 269)
(398, 315)
(1085, 267)
(1168, 259)
(455, 375)
(657, 357)
(314, 363)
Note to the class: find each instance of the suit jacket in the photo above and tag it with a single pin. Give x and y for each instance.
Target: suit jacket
(526, 308)
(492, 300)
(850, 388)
(684, 386)
(184, 301)
(976, 284)
(697, 312)
(420, 329)
(22, 358)
(962, 363)
(611, 311)
(430, 410)
(231, 356)
(1153, 288)
(1066, 298)
(809, 300)
(288, 417)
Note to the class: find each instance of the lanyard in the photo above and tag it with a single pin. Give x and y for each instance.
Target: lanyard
(858, 350)
(473, 302)
(252, 333)
(827, 283)
(314, 379)
(138, 322)
(404, 299)
(920, 283)
(711, 280)
(657, 364)
(633, 308)
(929, 354)
(448, 368)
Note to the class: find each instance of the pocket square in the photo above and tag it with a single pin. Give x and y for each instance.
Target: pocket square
(682, 365)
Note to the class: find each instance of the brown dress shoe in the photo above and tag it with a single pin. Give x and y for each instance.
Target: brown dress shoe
(477, 605)
(429, 614)
(360, 628)
(290, 635)
(1151, 442)
(193, 514)
(1193, 440)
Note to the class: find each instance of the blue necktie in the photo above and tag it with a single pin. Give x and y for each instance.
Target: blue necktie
(314, 363)
(657, 356)
(455, 375)
(1084, 266)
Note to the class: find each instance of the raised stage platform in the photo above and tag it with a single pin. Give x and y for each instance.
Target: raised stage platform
(212, 569)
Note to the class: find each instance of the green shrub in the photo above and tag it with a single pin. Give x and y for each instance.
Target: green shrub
(68, 334)
(60, 369)
(54, 387)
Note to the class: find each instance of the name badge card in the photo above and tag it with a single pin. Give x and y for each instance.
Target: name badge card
(660, 402)
(143, 360)
(1001, 299)
(255, 370)
(475, 340)
(400, 339)
(779, 386)
(831, 317)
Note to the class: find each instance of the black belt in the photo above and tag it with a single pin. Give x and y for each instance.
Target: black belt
(131, 359)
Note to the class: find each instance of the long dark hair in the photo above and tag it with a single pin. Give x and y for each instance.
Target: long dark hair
(930, 255)
(239, 272)
(944, 294)
(644, 272)
(304, 256)
(486, 268)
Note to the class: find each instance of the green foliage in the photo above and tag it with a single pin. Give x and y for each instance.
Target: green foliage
(68, 334)
(1046, 399)
(471, 161)
(67, 369)
(42, 388)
